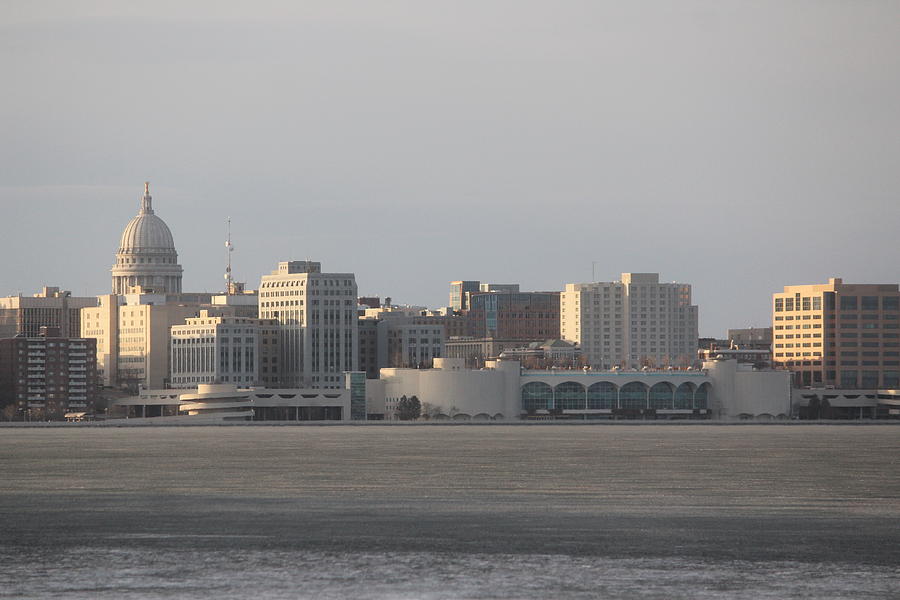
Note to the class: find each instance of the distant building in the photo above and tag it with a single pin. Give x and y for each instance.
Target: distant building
(26, 315)
(551, 353)
(523, 316)
(502, 390)
(760, 359)
(395, 337)
(747, 346)
(476, 351)
(146, 260)
(634, 322)
(365, 302)
(244, 304)
(506, 288)
(317, 323)
(132, 334)
(838, 334)
(224, 349)
(368, 347)
(47, 376)
(757, 338)
(459, 291)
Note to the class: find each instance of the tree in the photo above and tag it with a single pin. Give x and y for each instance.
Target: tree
(9, 412)
(409, 409)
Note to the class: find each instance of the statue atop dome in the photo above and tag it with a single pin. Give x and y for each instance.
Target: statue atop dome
(147, 200)
(146, 260)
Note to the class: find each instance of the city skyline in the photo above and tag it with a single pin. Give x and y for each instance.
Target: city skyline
(417, 144)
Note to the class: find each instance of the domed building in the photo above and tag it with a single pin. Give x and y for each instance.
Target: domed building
(146, 260)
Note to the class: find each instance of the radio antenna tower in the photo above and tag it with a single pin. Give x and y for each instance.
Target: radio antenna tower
(229, 248)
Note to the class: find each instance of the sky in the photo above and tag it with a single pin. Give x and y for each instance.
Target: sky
(735, 146)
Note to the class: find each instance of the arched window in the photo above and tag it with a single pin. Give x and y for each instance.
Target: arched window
(602, 396)
(684, 396)
(537, 396)
(661, 396)
(570, 396)
(633, 395)
(701, 396)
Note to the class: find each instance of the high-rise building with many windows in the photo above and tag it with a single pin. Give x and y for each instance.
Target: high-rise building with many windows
(317, 323)
(838, 334)
(634, 322)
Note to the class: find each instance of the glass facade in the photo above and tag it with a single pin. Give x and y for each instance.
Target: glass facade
(537, 396)
(633, 395)
(602, 396)
(661, 396)
(570, 396)
(684, 396)
(701, 397)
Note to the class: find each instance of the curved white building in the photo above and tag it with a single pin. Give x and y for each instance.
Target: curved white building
(504, 391)
(146, 261)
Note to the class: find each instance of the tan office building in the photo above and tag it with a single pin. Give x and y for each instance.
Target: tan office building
(317, 323)
(133, 335)
(837, 334)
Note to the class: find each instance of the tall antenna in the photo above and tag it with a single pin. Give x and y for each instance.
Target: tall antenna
(229, 248)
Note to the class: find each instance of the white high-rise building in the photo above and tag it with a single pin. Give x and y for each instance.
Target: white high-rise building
(316, 313)
(634, 322)
(216, 348)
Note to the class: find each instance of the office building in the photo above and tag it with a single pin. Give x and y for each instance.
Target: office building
(51, 307)
(526, 316)
(634, 322)
(395, 336)
(459, 293)
(132, 333)
(211, 348)
(317, 323)
(838, 334)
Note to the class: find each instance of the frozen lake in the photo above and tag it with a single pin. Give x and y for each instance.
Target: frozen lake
(451, 512)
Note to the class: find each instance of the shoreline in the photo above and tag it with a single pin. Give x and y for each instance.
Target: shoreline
(119, 423)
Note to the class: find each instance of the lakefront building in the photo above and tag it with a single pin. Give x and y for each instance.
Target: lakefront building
(502, 390)
(47, 376)
(317, 323)
(634, 322)
(214, 349)
(838, 335)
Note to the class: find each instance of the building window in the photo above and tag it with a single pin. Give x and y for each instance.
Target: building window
(848, 303)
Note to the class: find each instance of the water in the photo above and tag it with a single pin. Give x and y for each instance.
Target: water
(451, 512)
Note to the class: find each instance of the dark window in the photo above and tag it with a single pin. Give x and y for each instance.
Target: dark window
(848, 303)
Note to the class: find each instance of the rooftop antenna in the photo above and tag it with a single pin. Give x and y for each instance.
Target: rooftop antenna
(229, 248)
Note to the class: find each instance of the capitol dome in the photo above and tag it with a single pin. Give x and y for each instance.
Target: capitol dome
(145, 232)
(146, 261)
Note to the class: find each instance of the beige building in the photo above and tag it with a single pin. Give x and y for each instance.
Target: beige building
(317, 323)
(132, 335)
(212, 348)
(634, 322)
(52, 307)
(146, 260)
(837, 334)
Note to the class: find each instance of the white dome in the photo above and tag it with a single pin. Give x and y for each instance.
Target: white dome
(146, 260)
(146, 231)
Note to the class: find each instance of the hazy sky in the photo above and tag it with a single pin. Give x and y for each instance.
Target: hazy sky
(736, 146)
